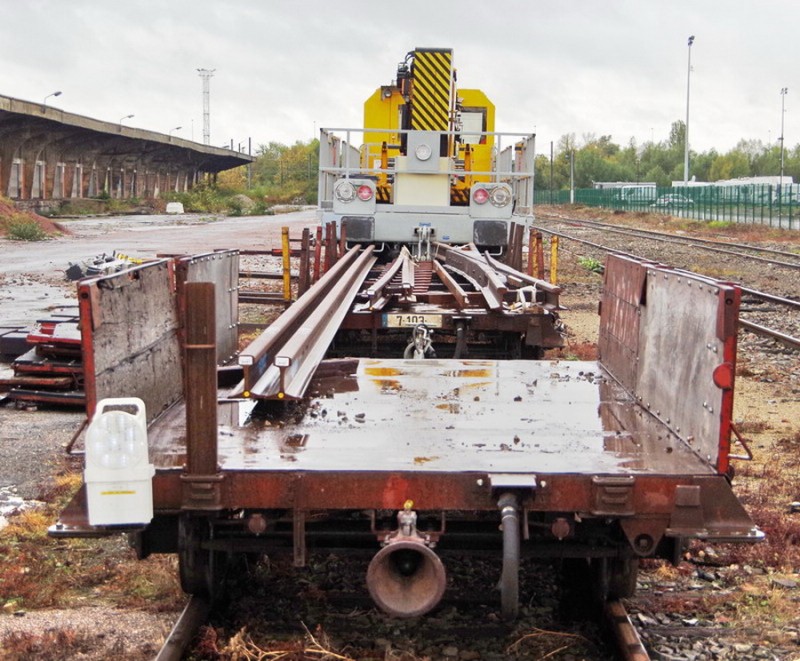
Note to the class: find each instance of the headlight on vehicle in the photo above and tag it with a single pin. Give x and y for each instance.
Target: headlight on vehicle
(423, 152)
(500, 196)
(345, 191)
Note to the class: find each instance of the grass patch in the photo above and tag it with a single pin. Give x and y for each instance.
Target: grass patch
(19, 228)
(766, 486)
(591, 264)
(37, 571)
(150, 584)
(719, 224)
(574, 351)
(752, 426)
(209, 199)
(52, 645)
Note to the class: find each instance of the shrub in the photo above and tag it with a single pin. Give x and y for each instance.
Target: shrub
(591, 264)
(24, 229)
(719, 224)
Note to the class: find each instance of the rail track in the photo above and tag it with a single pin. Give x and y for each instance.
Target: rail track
(620, 637)
(775, 314)
(193, 616)
(763, 254)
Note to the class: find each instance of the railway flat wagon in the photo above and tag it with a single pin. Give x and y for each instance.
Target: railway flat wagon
(596, 463)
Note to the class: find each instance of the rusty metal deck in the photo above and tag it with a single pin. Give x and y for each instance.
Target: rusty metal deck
(427, 416)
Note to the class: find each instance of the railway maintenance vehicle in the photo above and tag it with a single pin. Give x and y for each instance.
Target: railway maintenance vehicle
(326, 432)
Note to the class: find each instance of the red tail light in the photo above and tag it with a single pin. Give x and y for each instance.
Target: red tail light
(480, 196)
(364, 193)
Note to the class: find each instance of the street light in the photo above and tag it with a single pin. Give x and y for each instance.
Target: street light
(122, 119)
(44, 103)
(686, 132)
(784, 92)
(177, 128)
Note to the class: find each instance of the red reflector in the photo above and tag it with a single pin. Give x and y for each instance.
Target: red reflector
(480, 196)
(364, 193)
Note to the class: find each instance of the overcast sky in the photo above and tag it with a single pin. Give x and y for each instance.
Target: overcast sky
(284, 68)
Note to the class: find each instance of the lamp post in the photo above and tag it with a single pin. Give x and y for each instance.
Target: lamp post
(177, 128)
(44, 103)
(784, 92)
(686, 132)
(122, 119)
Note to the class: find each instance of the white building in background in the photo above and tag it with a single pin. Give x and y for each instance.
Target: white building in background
(741, 181)
(750, 189)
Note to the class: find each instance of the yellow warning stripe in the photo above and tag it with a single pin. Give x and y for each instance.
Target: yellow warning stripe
(120, 492)
(431, 91)
(128, 258)
(459, 196)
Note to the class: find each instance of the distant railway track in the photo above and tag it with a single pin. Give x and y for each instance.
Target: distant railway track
(776, 257)
(763, 313)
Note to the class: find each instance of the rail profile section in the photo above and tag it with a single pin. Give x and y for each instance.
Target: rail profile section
(280, 362)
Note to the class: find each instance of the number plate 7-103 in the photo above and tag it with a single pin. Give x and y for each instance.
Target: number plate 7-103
(404, 319)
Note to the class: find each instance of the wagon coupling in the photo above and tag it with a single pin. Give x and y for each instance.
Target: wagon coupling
(406, 578)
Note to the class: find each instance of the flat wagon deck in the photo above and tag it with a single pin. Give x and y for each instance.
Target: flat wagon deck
(599, 462)
(445, 416)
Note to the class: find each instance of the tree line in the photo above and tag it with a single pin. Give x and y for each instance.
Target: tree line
(280, 174)
(600, 159)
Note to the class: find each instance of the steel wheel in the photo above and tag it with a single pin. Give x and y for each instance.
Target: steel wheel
(200, 569)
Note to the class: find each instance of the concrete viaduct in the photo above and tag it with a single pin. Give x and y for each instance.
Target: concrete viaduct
(47, 154)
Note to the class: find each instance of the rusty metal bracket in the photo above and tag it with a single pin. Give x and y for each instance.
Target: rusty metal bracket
(613, 496)
(202, 492)
(687, 517)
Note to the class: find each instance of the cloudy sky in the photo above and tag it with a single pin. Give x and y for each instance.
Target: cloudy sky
(284, 68)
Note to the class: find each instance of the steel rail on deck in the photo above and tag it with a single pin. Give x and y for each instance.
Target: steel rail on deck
(258, 355)
(293, 346)
(380, 293)
(520, 279)
(461, 297)
(471, 263)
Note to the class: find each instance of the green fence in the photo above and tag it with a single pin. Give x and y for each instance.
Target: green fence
(746, 203)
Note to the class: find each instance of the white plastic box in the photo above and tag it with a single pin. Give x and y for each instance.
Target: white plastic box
(118, 475)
